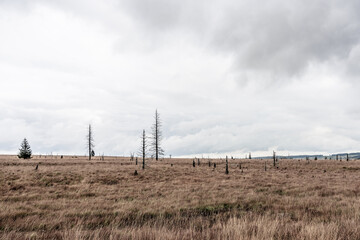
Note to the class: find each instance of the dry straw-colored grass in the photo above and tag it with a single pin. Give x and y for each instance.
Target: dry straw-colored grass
(73, 198)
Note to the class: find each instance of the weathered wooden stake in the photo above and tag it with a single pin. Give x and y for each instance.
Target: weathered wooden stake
(227, 166)
(274, 158)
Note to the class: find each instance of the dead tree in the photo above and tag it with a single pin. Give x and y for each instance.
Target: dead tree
(143, 149)
(90, 142)
(156, 137)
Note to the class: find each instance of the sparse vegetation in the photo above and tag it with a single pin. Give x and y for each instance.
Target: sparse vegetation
(102, 199)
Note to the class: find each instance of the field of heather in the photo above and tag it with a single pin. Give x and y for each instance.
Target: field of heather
(73, 198)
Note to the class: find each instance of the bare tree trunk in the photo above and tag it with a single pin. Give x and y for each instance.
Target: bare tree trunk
(156, 137)
(90, 142)
(143, 149)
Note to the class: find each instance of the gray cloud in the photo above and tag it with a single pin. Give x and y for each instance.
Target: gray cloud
(216, 70)
(277, 38)
(273, 40)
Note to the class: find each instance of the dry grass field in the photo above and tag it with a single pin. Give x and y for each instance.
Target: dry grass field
(73, 198)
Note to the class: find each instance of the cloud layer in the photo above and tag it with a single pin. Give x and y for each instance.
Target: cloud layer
(228, 77)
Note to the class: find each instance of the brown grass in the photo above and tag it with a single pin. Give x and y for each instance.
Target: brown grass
(73, 198)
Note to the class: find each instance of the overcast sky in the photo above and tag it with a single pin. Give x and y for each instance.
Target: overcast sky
(227, 76)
